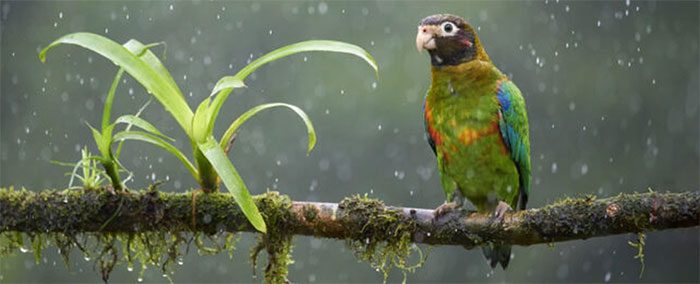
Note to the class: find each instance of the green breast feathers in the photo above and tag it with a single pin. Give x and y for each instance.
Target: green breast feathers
(469, 112)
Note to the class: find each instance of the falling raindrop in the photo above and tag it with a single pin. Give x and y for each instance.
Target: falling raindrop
(314, 184)
(322, 8)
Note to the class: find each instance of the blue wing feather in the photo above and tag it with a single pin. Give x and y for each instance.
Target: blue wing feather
(513, 126)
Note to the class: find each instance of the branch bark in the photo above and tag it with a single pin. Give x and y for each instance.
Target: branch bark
(75, 211)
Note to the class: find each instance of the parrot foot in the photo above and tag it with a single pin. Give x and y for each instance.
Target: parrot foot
(501, 210)
(445, 208)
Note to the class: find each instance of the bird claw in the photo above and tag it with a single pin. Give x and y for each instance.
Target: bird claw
(445, 208)
(500, 211)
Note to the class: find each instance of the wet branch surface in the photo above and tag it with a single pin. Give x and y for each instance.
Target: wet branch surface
(77, 211)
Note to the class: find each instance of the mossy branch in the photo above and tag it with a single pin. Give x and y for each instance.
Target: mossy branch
(355, 218)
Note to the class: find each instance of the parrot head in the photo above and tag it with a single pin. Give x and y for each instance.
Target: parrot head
(449, 39)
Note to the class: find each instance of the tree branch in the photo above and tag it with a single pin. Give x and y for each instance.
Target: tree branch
(76, 211)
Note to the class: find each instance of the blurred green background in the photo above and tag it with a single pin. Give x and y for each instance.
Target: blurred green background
(611, 90)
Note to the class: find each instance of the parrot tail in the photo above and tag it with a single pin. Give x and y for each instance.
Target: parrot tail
(496, 254)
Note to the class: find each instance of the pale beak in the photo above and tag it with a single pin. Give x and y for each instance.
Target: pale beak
(426, 37)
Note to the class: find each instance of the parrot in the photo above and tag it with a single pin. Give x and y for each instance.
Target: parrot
(476, 124)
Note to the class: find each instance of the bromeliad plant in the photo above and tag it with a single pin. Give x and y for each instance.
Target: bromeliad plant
(104, 138)
(211, 164)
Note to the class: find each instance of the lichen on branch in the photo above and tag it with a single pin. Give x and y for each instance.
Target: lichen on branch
(155, 227)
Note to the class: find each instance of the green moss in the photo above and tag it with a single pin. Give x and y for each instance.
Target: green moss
(38, 246)
(310, 212)
(567, 212)
(10, 242)
(275, 209)
(639, 245)
(159, 250)
(384, 239)
(148, 249)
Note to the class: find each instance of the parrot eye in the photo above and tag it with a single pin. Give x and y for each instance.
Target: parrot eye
(449, 28)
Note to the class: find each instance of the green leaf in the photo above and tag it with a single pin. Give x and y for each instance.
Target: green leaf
(128, 127)
(139, 49)
(155, 140)
(140, 123)
(97, 136)
(107, 113)
(103, 141)
(228, 83)
(86, 163)
(304, 46)
(200, 122)
(147, 70)
(233, 182)
(107, 141)
(225, 139)
(144, 52)
(225, 85)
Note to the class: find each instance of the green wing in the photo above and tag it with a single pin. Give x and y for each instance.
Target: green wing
(448, 184)
(516, 134)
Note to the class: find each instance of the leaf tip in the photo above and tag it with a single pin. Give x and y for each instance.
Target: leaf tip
(261, 227)
(42, 55)
(312, 144)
